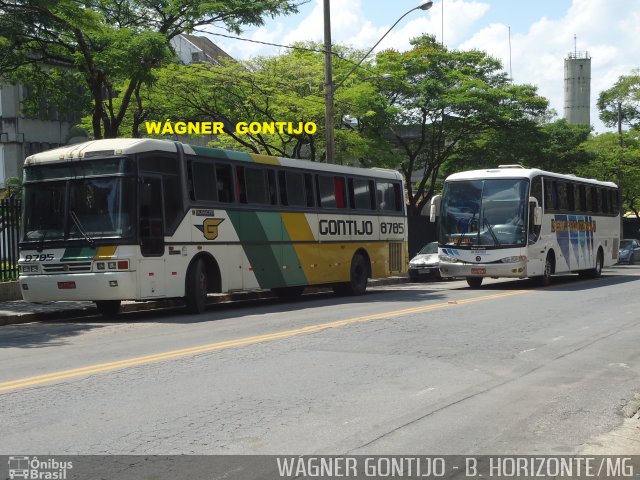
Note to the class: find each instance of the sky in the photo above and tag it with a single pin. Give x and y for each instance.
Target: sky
(542, 35)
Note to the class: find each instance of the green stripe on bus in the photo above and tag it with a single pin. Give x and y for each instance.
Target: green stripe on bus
(79, 253)
(263, 258)
(294, 274)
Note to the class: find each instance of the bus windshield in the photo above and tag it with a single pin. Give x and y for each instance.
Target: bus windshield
(80, 208)
(484, 213)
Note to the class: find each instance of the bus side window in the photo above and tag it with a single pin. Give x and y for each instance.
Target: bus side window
(389, 197)
(203, 181)
(595, 204)
(360, 194)
(340, 192)
(308, 184)
(326, 192)
(224, 183)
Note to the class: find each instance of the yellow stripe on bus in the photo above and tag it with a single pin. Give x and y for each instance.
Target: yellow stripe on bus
(264, 159)
(105, 253)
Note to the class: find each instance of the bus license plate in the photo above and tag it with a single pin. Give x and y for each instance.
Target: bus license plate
(66, 285)
(478, 271)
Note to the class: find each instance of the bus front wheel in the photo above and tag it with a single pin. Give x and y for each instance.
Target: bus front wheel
(474, 282)
(359, 277)
(196, 294)
(549, 267)
(108, 308)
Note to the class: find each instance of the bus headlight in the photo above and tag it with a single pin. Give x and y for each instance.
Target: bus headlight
(515, 259)
(447, 258)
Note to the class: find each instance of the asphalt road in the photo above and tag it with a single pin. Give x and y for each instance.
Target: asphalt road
(432, 368)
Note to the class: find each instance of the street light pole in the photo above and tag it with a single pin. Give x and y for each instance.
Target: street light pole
(328, 75)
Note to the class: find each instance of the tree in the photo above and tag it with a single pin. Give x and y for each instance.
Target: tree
(113, 45)
(608, 160)
(441, 101)
(282, 88)
(620, 104)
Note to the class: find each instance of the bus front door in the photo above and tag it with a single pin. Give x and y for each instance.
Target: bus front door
(150, 269)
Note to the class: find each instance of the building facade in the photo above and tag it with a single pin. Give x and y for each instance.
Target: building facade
(21, 136)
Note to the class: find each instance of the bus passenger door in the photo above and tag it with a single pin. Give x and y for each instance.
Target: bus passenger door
(151, 268)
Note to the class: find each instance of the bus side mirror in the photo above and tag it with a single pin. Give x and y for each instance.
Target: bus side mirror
(537, 216)
(537, 211)
(435, 208)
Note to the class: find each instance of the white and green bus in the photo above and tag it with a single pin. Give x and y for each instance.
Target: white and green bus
(141, 219)
(517, 222)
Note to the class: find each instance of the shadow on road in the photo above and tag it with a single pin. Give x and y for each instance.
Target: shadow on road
(60, 331)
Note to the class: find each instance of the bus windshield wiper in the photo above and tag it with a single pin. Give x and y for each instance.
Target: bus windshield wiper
(81, 229)
(40, 246)
(490, 228)
(473, 217)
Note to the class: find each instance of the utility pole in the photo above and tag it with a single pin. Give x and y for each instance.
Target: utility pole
(328, 87)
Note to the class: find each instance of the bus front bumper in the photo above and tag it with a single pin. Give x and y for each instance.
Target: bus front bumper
(78, 286)
(459, 269)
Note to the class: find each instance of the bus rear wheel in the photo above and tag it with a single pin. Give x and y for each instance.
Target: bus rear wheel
(359, 277)
(474, 282)
(108, 308)
(196, 294)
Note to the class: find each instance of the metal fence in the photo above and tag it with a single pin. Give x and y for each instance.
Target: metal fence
(10, 211)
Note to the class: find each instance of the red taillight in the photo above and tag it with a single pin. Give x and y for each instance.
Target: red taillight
(123, 264)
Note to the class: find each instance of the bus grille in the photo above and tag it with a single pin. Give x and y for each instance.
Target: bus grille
(68, 267)
(395, 257)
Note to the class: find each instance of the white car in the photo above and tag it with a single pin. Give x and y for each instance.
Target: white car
(425, 264)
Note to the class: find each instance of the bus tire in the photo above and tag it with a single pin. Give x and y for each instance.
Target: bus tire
(544, 280)
(196, 287)
(288, 292)
(474, 282)
(359, 277)
(108, 308)
(597, 270)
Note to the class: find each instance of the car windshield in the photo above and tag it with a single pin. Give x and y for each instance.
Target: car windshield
(429, 248)
(488, 213)
(626, 244)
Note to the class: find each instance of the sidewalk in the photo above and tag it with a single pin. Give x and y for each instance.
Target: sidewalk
(18, 311)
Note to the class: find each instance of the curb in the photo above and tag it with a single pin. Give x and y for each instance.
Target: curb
(127, 307)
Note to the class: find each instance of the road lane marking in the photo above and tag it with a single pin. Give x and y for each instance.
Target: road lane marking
(143, 360)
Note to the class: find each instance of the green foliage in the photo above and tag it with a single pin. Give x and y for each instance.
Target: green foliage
(282, 88)
(112, 45)
(445, 105)
(620, 104)
(608, 160)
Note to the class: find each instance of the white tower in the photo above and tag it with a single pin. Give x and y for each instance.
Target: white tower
(577, 87)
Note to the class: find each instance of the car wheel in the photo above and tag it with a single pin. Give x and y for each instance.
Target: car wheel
(632, 259)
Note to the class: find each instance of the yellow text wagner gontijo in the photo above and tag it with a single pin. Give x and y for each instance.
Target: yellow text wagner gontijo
(217, 128)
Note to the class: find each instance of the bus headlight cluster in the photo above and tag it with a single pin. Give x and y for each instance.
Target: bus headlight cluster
(447, 258)
(29, 268)
(113, 265)
(518, 258)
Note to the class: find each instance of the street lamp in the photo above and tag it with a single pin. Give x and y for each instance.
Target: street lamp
(328, 75)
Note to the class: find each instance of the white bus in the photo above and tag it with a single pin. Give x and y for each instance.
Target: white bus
(517, 222)
(140, 219)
